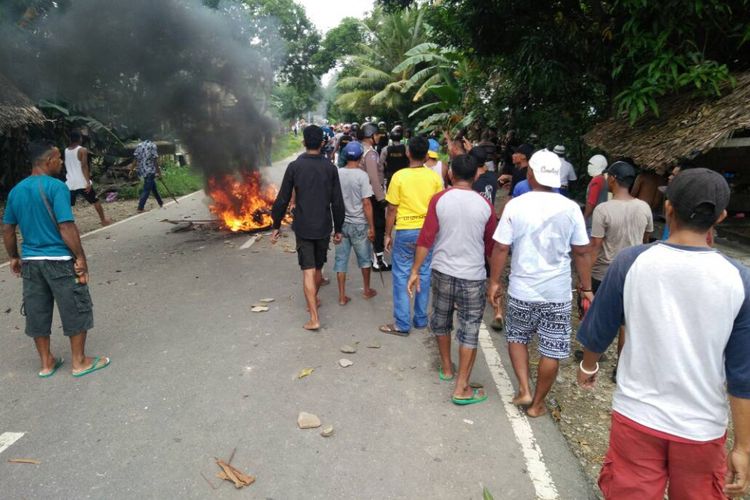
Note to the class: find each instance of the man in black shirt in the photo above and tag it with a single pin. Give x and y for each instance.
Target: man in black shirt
(516, 172)
(315, 183)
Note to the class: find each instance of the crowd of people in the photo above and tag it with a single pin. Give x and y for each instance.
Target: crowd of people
(680, 308)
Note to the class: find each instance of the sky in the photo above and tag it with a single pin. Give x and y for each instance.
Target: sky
(327, 14)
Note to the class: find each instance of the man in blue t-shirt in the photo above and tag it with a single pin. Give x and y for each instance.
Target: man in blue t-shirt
(52, 262)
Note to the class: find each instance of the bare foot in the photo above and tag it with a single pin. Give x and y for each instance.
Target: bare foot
(311, 325)
(106, 222)
(344, 301)
(522, 400)
(368, 294)
(536, 411)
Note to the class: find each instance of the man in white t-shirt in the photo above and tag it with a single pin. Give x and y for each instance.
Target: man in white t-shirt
(567, 172)
(543, 227)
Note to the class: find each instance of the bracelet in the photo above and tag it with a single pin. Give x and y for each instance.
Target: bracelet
(586, 290)
(585, 371)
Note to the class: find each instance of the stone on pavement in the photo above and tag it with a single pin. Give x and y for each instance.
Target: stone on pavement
(308, 421)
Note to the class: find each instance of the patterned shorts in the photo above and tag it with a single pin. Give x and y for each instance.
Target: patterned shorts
(550, 320)
(468, 297)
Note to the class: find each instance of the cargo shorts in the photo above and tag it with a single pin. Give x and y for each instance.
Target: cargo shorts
(46, 282)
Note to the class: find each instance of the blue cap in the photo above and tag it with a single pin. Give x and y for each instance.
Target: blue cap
(353, 151)
(434, 147)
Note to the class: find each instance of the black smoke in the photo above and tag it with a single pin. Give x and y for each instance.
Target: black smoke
(152, 66)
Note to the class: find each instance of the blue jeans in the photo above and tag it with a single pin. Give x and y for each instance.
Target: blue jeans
(149, 186)
(404, 248)
(354, 237)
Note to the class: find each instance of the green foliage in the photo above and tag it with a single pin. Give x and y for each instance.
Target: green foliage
(180, 180)
(486, 495)
(286, 145)
(338, 44)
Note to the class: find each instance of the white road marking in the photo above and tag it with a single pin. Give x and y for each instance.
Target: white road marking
(538, 472)
(8, 438)
(249, 242)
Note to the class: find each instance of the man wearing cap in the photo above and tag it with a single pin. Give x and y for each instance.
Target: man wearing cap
(370, 163)
(433, 163)
(567, 172)
(686, 309)
(516, 172)
(359, 227)
(622, 222)
(543, 228)
(596, 191)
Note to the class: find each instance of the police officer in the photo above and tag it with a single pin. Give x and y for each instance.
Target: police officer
(369, 135)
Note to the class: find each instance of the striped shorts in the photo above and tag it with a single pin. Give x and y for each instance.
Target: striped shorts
(549, 319)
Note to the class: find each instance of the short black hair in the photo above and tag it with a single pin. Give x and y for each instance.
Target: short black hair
(39, 150)
(418, 147)
(313, 137)
(464, 167)
(75, 136)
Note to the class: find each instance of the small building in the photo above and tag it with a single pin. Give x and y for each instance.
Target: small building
(17, 115)
(713, 132)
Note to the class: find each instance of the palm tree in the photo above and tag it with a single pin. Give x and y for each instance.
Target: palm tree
(438, 72)
(374, 88)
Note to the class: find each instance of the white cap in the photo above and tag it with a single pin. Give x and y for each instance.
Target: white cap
(559, 149)
(597, 164)
(546, 167)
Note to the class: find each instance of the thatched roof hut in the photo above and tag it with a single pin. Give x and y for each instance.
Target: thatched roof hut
(687, 126)
(16, 109)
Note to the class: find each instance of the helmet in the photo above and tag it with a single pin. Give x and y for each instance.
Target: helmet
(597, 164)
(382, 125)
(397, 133)
(369, 129)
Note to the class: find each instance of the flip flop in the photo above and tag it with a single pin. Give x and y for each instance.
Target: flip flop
(392, 330)
(94, 367)
(497, 324)
(58, 363)
(448, 379)
(469, 401)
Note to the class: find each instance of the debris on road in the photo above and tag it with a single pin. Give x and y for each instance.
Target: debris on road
(345, 363)
(229, 473)
(374, 345)
(308, 421)
(259, 309)
(267, 300)
(8, 310)
(327, 431)
(181, 227)
(348, 349)
(24, 461)
(467, 421)
(305, 372)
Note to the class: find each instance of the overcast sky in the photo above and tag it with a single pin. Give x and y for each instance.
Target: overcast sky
(326, 14)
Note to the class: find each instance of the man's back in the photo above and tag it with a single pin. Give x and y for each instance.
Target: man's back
(315, 183)
(26, 207)
(355, 186)
(541, 226)
(622, 224)
(687, 317)
(646, 188)
(411, 189)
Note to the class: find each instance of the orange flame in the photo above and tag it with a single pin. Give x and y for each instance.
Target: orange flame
(242, 202)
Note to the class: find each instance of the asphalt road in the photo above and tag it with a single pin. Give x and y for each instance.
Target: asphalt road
(196, 374)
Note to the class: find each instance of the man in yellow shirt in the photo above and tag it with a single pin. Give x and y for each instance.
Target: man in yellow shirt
(409, 195)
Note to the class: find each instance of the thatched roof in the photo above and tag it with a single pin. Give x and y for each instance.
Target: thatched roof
(687, 125)
(16, 109)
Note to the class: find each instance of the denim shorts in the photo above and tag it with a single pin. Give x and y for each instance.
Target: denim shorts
(46, 282)
(550, 320)
(466, 296)
(354, 236)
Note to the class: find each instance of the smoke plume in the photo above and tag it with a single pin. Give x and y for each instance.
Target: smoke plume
(151, 64)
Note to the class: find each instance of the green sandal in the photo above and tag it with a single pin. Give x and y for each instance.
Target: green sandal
(469, 401)
(94, 366)
(58, 363)
(448, 379)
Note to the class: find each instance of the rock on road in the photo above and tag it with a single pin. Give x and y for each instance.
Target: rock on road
(196, 374)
